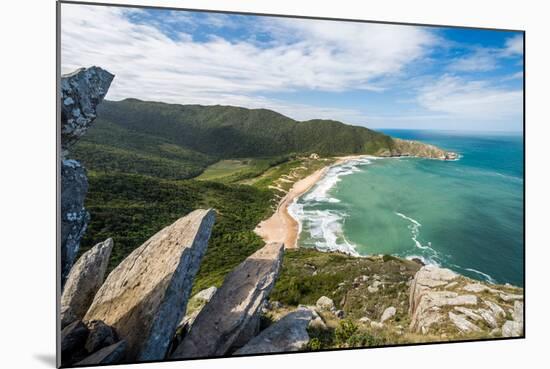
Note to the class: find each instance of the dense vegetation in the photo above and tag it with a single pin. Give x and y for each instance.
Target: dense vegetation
(132, 208)
(180, 141)
(109, 147)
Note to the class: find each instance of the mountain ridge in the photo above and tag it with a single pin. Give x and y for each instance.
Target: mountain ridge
(180, 141)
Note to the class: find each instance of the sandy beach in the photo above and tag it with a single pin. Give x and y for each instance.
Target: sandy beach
(281, 226)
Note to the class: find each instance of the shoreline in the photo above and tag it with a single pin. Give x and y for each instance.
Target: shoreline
(281, 226)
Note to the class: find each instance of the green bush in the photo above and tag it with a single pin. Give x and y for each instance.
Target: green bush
(363, 339)
(345, 330)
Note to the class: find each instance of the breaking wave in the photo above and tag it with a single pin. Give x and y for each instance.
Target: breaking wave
(320, 192)
(325, 227)
(430, 255)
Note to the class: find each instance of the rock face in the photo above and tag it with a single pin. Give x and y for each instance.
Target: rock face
(439, 297)
(145, 296)
(287, 334)
(84, 281)
(81, 92)
(233, 306)
(74, 217)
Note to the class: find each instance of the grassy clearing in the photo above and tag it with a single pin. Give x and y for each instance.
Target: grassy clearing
(240, 170)
(224, 168)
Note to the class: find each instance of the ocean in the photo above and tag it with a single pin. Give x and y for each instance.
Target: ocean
(466, 215)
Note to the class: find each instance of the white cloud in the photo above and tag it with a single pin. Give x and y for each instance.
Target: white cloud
(307, 55)
(514, 45)
(471, 99)
(481, 60)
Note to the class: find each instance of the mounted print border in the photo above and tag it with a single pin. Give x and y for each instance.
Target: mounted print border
(236, 184)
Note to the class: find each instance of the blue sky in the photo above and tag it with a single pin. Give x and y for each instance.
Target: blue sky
(375, 75)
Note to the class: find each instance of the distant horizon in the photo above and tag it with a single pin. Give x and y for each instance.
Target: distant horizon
(362, 73)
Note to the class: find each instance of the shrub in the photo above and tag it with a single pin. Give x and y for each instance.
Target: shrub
(344, 332)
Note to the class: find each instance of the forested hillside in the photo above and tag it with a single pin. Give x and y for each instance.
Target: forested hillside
(180, 141)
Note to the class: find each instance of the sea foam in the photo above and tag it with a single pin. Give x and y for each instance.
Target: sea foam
(414, 227)
(325, 227)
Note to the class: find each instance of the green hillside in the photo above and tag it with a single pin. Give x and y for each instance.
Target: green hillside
(180, 141)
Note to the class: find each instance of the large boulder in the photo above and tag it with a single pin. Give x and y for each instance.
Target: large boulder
(388, 314)
(84, 281)
(81, 92)
(325, 303)
(287, 334)
(233, 306)
(145, 296)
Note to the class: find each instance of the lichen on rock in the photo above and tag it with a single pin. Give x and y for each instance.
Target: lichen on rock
(81, 92)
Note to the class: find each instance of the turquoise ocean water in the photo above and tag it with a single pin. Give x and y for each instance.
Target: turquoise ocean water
(466, 215)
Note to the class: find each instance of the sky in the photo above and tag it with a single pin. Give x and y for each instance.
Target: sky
(368, 74)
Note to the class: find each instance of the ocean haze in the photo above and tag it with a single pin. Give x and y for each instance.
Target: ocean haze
(466, 215)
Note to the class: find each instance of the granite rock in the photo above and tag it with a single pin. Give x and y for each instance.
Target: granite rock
(233, 306)
(145, 296)
(84, 281)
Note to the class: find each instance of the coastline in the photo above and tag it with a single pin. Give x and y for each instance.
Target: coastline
(281, 226)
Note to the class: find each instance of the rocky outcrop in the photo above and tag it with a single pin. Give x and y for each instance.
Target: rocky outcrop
(440, 298)
(417, 149)
(145, 296)
(81, 92)
(287, 334)
(84, 281)
(233, 306)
